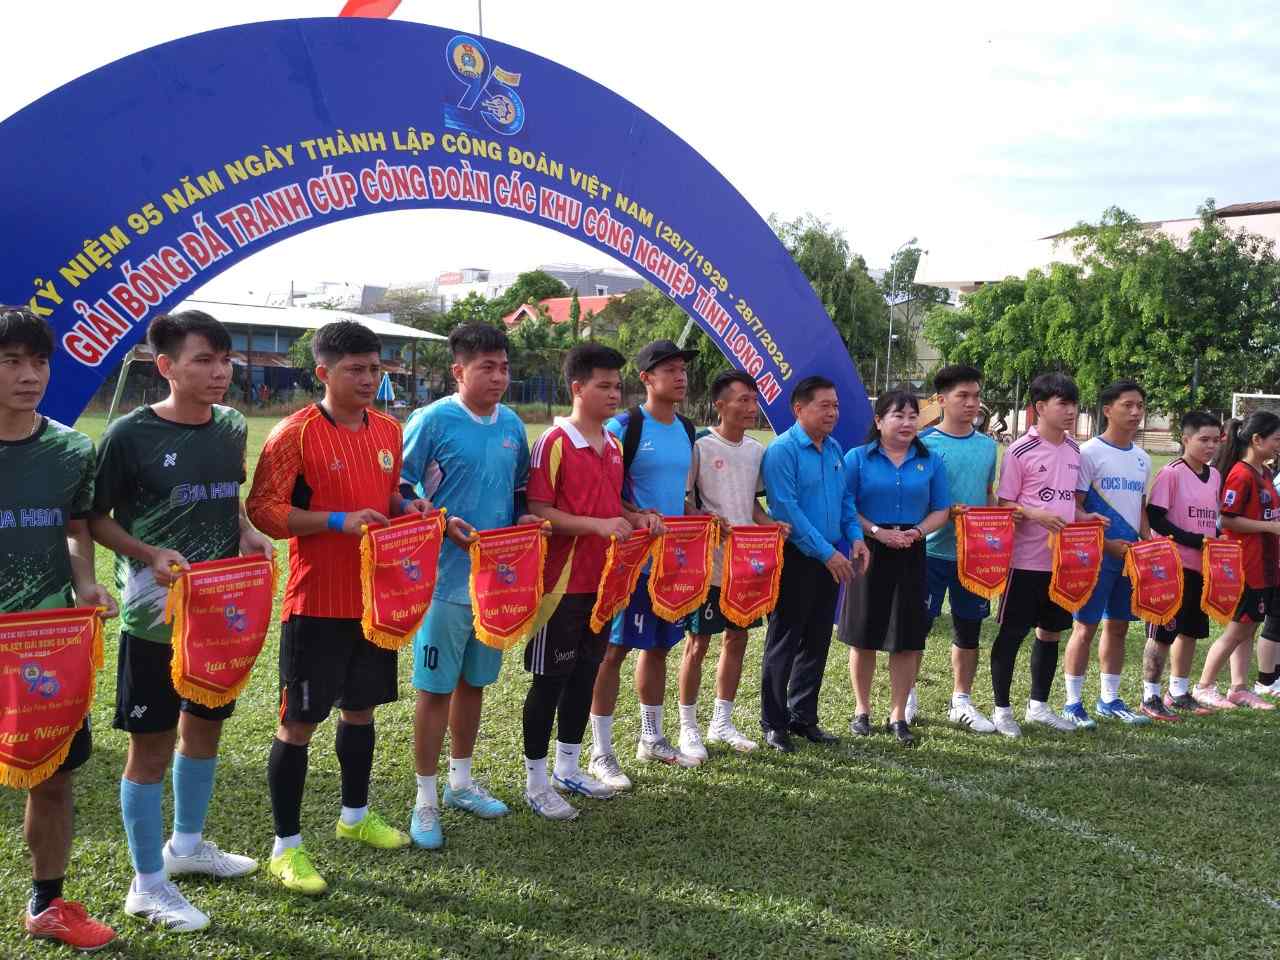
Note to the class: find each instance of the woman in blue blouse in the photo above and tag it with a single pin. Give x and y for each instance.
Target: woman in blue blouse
(902, 496)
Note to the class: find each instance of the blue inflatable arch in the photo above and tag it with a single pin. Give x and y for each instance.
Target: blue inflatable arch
(130, 187)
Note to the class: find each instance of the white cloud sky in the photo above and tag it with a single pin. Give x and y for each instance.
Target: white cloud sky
(975, 126)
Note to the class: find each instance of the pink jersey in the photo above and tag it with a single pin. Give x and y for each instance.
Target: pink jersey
(1037, 473)
(1190, 504)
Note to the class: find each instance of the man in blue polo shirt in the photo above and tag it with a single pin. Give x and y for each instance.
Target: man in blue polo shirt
(804, 479)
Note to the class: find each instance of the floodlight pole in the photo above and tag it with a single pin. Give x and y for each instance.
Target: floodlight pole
(893, 286)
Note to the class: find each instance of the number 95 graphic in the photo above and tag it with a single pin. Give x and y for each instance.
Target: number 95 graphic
(489, 91)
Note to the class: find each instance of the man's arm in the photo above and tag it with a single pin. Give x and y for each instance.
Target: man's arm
(784, 504)
(84, 581)
(570, 525)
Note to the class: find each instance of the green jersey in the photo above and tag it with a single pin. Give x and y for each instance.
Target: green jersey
(46, 481)
(175, 486)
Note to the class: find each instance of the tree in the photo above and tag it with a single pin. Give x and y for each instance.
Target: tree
(533, 286)
(540, 345)
(909, 301)
(575, 314)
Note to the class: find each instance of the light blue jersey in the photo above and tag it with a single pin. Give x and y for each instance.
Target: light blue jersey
(970, 462)
(473, 467)
(1114, 483)
(656, 480)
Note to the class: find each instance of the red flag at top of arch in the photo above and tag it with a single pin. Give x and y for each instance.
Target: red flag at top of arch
(374, 9)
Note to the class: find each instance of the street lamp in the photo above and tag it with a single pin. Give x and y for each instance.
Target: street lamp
(893, 286)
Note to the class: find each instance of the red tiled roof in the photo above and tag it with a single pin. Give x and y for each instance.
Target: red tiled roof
(558, 308)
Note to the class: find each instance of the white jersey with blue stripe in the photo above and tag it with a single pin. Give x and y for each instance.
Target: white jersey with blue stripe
(1114, 483)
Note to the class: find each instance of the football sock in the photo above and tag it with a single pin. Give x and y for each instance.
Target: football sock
(567, 758)
(140, 808)
(427, 794)
(601, 735)
(353, 743)
(1109, 684)
(43, 893)
(459, 773)
(1075, 688)
(535, 774)
(722, 713)
(651, 722)
(286, 779)
(689, 714)
(282, 844)
(1179, 686)
(1150, 690)
(192, 789)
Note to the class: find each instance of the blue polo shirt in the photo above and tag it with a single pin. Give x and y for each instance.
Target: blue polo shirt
(903, 494)
(806, 488)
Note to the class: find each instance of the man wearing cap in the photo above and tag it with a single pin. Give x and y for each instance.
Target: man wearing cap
(657, 444)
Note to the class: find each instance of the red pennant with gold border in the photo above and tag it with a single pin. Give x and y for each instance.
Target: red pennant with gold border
(506, 582)
(622, 566)
(751, 573)
(1077, 559)
(984, 549)
(681, 575)
(398, 567)
(1155, 571)
(1222, 567)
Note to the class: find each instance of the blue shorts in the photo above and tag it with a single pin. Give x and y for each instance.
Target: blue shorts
(445, 648)
(942, 579)
(639, 627)
(1109, 600)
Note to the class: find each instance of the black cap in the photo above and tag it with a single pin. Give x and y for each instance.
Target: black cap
(654, 353)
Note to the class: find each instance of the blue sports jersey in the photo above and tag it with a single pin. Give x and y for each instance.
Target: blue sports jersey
(656, 480)
(971, 471)
(1114, 483)
(473, 467)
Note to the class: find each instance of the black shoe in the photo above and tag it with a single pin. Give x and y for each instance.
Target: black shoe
(778, 740)
(814, 734)
(860, 726)
(901, 730)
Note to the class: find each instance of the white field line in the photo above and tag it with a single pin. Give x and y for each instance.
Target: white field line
(1084, 831)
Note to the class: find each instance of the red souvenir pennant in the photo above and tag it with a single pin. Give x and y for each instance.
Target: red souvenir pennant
(48, 660)
(984, 549)
(1223, 570)
(220, 611)
(1155, 570)
(398, 565)
(622, 566)
(506, 582)
(752, 570)
(1077, 558)
(681, 574)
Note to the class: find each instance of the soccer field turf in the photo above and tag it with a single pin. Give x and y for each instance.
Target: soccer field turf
(1144, 843)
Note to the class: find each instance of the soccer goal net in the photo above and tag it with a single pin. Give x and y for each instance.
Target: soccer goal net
(1243, 404)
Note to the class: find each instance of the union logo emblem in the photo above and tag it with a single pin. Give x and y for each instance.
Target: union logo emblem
(468, 60)
(386, 460)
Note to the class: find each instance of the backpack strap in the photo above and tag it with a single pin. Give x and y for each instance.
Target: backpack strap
(631, 437)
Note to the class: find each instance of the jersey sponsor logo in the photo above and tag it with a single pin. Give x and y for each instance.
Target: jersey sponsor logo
(1202, 513)
(1049, 494)
(646, 445)
(1229, 498)
(1121, 484)
(188, 493)
(31, 517)
(170, 459)
(386, 460)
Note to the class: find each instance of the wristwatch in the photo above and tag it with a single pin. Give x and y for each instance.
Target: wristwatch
(874, 529)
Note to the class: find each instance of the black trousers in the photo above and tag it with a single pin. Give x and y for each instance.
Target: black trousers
(796, 643)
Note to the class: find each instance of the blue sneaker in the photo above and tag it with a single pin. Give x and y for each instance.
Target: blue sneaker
(1076, 714)
(475, 799)
(1117, 709)
(424, 828)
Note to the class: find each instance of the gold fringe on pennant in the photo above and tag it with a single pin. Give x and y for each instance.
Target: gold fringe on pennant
(378, 637)
(745, 618)
(1146, 613)
(1216, 614)
(1067, 603)
(523, 630)
(600, 617)
(696, 599)
(969, 583)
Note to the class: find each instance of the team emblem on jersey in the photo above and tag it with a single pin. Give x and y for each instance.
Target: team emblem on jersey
(920, 467)
(170, 459)
(1229, 499)
(718, 463)
(386, 460)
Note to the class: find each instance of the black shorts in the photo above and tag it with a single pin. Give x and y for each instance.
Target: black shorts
(1025, 604)
(709, 620)
(566, 639)
(1191, 620)
(1257, 605)
(326, 662)
(81, 750)
(145, 699)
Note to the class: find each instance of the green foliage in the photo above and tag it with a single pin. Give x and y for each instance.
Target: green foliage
(530, 287)
(300, 351)
(575, 314)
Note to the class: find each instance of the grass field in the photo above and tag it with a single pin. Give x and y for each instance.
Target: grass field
(1150, 843)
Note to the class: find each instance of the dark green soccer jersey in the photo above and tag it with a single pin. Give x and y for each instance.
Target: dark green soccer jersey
(174, 486)
(46, 481)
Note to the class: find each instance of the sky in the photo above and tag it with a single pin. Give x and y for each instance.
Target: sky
(974, 127)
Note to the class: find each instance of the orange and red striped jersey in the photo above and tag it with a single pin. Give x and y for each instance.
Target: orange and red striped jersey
(311, 463)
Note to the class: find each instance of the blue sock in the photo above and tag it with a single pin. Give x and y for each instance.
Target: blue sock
(192, 790)
(140, 808)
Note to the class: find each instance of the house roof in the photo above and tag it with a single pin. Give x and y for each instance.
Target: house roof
(558, 308)
(299, 318)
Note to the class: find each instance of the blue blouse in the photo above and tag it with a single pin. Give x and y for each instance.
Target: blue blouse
(888, 494)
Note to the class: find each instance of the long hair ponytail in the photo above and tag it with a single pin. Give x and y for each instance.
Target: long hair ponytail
(1239, 437)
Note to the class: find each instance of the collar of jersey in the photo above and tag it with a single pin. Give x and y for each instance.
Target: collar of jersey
(492, 418)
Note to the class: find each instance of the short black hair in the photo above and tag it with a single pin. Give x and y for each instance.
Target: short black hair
(168, 332)
(954, 375)
(20, 327)
(343, 338)
(728, 378)
(582, 360)
(887, 403)
(471, 339)
(807, 387)
(1112, 392)
(1197, 420)
(1050, 385)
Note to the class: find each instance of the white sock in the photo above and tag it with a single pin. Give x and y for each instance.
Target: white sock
(459, 773)
(285, 843)
(353, 815)
(1110, 686)
(912, 698)
(1033, 705)
(959, 699)
(650, 722)
(1075, 688)
(427, 794)
(722, 713)
(1178, 686)
(535, 774)
(601, 734)
(148, 882)
(1002, 713)
(185, 844)
(1150, 690)
(567, 757)
(689, 714)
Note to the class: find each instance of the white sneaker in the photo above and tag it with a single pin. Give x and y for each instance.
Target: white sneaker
(545, 802)
(1044, 716)
(691, 744)
(1263, 690)
(1005, 725)
(165, 907)
(583, 785)
(608, 771)
(728, 734)
(965, 714)
(661, 751)
(209, 861)
(912, 708)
